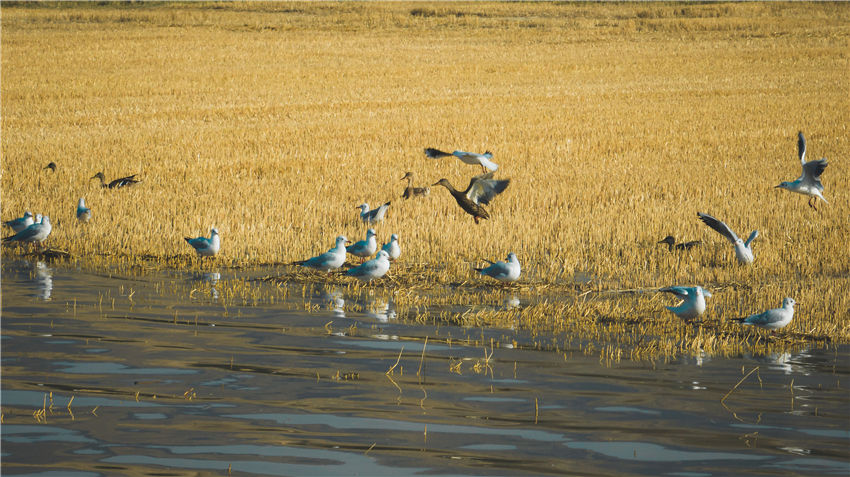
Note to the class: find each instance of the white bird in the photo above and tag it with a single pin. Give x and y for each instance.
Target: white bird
(83, 212)
(392, 248)
(809, 182)
(505, 272)
(371, 269)
(37, 232)
(773, 319)
(364, 248)
(372, 216)
(693, 301)
(330, 260)
(472, 158)
(21, 222)
(206, 247)
(743, 250)
(38, 218)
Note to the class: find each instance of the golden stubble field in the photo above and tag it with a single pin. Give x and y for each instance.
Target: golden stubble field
(616, 123)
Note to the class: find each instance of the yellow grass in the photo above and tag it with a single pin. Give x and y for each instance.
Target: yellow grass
(615, 122)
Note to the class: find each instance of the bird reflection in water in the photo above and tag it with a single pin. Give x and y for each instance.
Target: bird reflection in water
(44, 280)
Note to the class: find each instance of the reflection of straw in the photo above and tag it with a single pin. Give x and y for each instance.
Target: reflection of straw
(739, 383)
(389, 371)
(422, 359)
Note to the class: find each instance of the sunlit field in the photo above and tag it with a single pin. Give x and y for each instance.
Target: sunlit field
(616, 124)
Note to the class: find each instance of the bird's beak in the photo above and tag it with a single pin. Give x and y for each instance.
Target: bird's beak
(777, 186)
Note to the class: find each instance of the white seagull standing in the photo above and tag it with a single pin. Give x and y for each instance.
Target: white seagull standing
(743, 250)
(372, 216)
(330, 260)
(472, 158)
(206, 247)
(37, 232)
(504, 272)
(392, 248)
(83, 212)
(774, 319)
(809, 182)
(21, 222)
(364, 248)
(371, 269)
(693, 301)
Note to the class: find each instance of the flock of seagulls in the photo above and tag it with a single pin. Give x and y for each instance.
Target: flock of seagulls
(693, 298)
(482, 189)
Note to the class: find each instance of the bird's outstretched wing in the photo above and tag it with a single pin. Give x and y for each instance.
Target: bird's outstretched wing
(719, 226)
(801, 147)
(753, 235)
(681, 292)
(483, 188)
(812, 171)
(435, 153)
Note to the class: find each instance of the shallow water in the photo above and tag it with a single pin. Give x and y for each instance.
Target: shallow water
(163, 373)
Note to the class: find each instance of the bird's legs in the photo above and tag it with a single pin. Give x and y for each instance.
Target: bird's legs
(812, 203)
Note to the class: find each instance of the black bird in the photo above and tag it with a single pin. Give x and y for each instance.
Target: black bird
(411, 191)
(117, 183)
(481, 190)
(51, 165)
(671, 243)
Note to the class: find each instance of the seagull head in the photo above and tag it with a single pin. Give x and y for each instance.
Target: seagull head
(394, 237)
(370, 233)
(511, 257)
(383, 255)
(788, 303)
(364, 207)
(342, 240)
(27, 214)
(783, 185)
(704, 292)
(213, 231)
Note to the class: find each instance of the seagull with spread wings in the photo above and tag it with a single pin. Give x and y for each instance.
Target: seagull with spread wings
(743, 250)
(809, 182)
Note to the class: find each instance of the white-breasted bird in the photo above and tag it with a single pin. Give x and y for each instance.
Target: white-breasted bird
(206, 247)
(364, 248)
(330, 260)
(21, 222)
(508, 271)
(371, 269)
(372, 216)
(392, 248)
(37, 232)
(809, 181)
(83, 212)
(773, 319)
(693, 301)
(743, 250)
(472, 158)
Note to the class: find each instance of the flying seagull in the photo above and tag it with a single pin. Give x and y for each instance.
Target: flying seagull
(507, 271)
(473, 158)
(672, 245)
(372, 216)
(21, 222)
(372, 269)
(330, 260)
(809, 182)
(117, 183)
(743, 250)
(392, 248)
(83, 212)
(364, 248)
(774, 319)
(206, 247)
(411, 191)
(693, 301)
(481, 190)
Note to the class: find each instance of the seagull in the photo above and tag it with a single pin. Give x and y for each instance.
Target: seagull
(51, 165)
(37, 232)
(374, 215)
(206, 247)
(473, 158)
(364, 248)
(671, 243)
(774, 319)
(117, 183)
(481, 190)
(411, 191)
(372, 269)
(743, 250)
(809, 182)
(693, 301)
(21, 222)
(330, 260)
(392, 248)
(83, 212)
(502, 271)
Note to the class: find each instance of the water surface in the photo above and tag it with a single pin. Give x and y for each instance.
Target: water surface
(169, 372)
